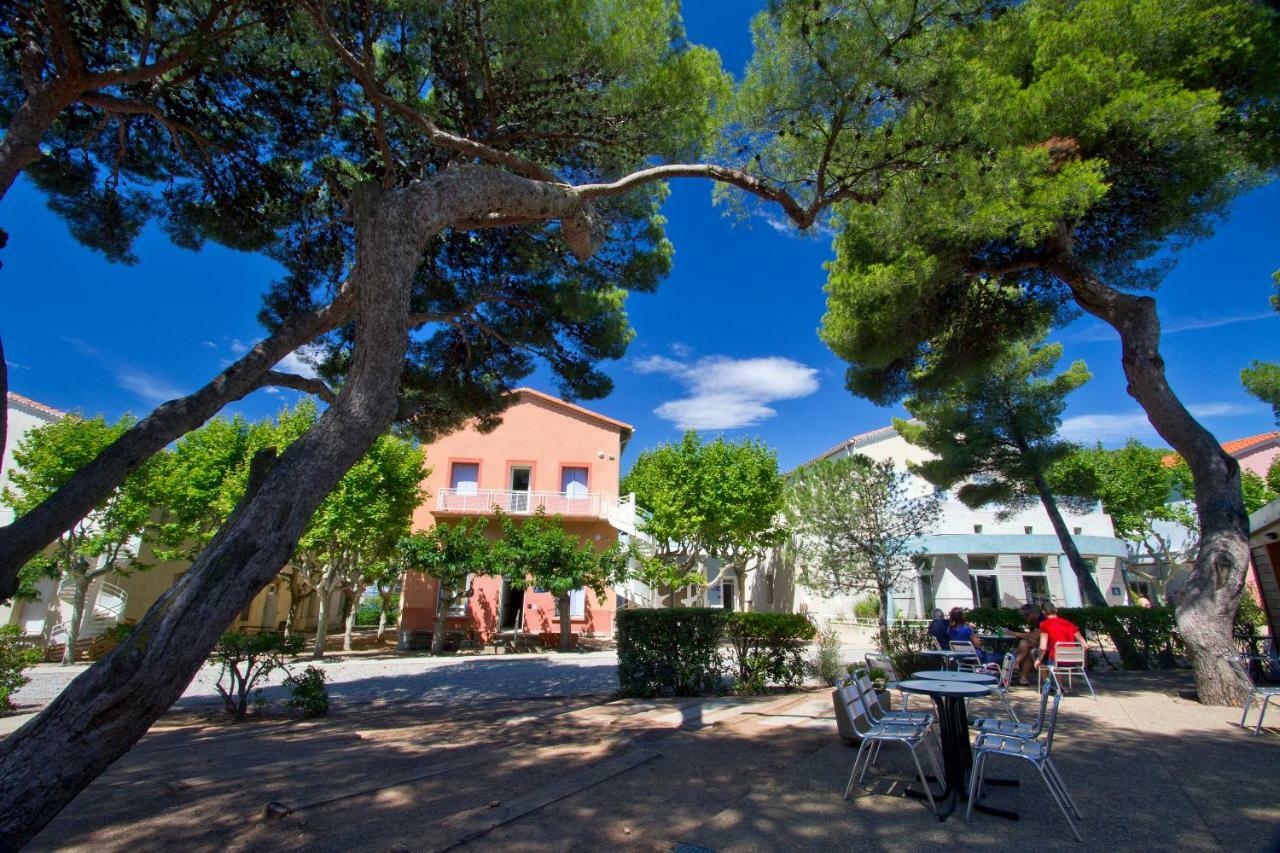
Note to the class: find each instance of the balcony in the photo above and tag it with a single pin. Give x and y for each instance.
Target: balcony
(620, 512)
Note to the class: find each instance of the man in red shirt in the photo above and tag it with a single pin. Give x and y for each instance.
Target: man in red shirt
(1053, 630)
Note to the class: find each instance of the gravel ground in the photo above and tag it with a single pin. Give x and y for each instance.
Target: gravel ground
(413, 678)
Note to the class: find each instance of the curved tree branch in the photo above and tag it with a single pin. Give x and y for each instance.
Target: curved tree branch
(305, 384)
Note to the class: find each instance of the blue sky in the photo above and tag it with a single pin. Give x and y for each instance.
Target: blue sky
(728, 343)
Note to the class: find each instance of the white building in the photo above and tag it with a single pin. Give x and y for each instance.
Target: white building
(972, 559)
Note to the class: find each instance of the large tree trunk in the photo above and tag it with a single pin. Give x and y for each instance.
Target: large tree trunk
(4, 392)
(382, 620)
(1206, 604)
(20, 146)
(27, 535)
(1088, 585)
(566, 629)
(104, 711)
(77, 616)
(351, 623)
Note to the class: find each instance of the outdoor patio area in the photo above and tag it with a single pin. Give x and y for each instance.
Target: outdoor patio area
(1149, 769)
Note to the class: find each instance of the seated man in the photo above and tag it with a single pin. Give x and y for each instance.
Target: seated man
(1028, 643)
(938, 629)
(1053, 630)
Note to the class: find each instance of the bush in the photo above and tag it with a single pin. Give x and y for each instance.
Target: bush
(1144, 637)
(15, 656)
(245, 660)
(769, 648)
(867, 608)
(109, 639)
(368, 612)
(670, 652)
(307, 692)
(828, 666)
(904, 644)
(1250, 616)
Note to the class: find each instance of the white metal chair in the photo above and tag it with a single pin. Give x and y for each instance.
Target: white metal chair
(872, 735)
(878, 714)
(1004, 681)
(1240, 666)
(1069, 658)
(1035, 750)
(885, 664)
(1015, 727)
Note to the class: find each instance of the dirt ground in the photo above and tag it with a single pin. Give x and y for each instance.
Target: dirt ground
(1152, 771)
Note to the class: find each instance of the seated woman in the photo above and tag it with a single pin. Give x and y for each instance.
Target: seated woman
(938, 629)
(960, 631)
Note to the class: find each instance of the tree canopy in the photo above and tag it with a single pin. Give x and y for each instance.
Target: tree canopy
(717, 499)
(995, 434)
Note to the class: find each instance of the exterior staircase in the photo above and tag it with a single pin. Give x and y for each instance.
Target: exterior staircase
(103, 606)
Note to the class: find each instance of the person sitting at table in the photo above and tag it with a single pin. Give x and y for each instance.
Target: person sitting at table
(1053, 630)
(938, 629)
(1028, 643)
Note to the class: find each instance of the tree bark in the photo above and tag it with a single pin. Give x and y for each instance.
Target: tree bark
(351, 622)
(566, 629)
(4, 392)
(1088, 585)
(382, 620)
(21, 144)
(77, 616)
(104, 711)
(27, 535)
(1206, 605)
(322, 624)
(437, 630)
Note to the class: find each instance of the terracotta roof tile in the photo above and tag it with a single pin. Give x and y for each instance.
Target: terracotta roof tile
(32, 404)
(1234, 447)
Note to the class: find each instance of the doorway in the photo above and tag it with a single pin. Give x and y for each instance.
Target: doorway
(512, 604)
(521, 481)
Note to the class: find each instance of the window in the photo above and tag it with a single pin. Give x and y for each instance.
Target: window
(578, 604)
(459, 607)
(1076, 530)
(977, 528)
(464, 477)
(982, 564)
(986, 590)
(521, 481)
(573, 482)
(1027, 530)
(1032, 564)
(1036, 588)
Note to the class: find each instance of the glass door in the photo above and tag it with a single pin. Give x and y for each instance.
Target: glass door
(521, 480)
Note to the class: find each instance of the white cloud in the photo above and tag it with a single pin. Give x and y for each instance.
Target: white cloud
(1098, 331)
(210, 344)
(271, 389)
(680, 350)
(728, 393)
(149, 387)
(1114, 427)
(297, 362)
(238, 346)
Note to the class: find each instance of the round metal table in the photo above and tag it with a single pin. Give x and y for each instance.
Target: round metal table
(957, 677)
(953, 729)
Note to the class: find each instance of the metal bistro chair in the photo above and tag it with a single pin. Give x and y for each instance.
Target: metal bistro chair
(1069, 658)
(1014, 727)
(1240, 666)
(873, 735)
(970, 660)
(877, 712)
(1036, 751)
(1004, 681)
(885, 665)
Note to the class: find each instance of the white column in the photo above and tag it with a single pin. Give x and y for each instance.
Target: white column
(1070, 586)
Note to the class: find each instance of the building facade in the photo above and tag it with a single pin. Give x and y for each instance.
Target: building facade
(973, 558)
(546, 454)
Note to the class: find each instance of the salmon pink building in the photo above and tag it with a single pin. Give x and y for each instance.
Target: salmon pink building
(546, 454)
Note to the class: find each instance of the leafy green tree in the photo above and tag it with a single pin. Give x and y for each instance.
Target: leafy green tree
(856, 526)
(1091, 136)
(387, 579)
(446, 122)
(995, 434)
(102, 542)
(538, 552)
(1142, 495)
(15, 656)
(450, 553)
(717, 499)
(1262, 378)
(359, 524)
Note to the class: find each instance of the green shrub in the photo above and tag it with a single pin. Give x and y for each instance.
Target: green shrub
(245, 660)
(1250, 615)
(307, 692)
(1144, 637)
(904, 645)
(769, 648)
(867, 608)
(15, 656)
(827, 667)
(674, 651)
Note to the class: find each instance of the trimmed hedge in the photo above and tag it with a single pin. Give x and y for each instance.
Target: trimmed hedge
(769, 648)
(677, 651)
(1144, 637)
(672, 651)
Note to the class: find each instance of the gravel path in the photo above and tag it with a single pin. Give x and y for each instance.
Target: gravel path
(416, 678)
